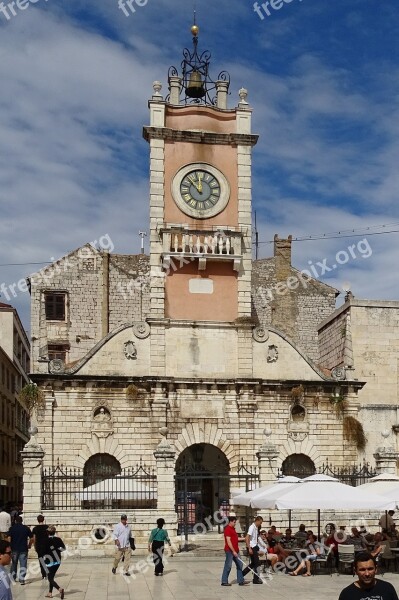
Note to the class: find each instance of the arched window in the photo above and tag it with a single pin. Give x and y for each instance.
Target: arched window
(298, 465)
(100, 467)
(298, 413)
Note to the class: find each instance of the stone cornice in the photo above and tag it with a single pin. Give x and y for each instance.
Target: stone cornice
(199, 137)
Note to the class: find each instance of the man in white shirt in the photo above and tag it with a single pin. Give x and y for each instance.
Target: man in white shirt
(386, 520)
(121, 534)
(251, 539)
(5, 524)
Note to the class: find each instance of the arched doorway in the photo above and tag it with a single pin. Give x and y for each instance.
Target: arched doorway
(202, 487)
(298, 465)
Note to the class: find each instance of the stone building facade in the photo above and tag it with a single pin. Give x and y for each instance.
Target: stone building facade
(184, 361)
(363, 337)
(14, 418)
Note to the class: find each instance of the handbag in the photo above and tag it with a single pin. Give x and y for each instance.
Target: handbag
(132, 544)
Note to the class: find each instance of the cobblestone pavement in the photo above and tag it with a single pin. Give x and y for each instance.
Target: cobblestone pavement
(184, 579)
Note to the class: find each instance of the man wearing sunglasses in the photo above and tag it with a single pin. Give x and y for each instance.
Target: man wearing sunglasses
(5, 582)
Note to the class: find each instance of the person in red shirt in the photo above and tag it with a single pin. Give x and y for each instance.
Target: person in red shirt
(232, 553)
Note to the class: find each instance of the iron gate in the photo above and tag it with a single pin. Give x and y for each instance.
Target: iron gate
(203, 498)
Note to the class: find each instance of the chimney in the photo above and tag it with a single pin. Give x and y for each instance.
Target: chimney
(282, 254)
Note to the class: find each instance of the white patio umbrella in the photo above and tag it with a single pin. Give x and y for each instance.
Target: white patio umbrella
(321, 492)
(117, 488)
(381, 483)
(267, 491)
(327, 493)
(386, 484)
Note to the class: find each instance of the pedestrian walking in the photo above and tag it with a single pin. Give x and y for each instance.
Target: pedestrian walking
(52, 559)
(232, 552)
(156, 545)
(5, 581)
(122, 534)
(5, 523)
(40, 538)
(251, 540)
(20, 541)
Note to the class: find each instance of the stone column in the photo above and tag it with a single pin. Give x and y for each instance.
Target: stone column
(267, 461)
(174, 88)
(165, 461)
(222, 88)
(32, 459)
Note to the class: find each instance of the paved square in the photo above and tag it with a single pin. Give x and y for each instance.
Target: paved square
(185, 578)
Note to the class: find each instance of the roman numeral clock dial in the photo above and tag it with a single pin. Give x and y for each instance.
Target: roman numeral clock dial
(200, 190)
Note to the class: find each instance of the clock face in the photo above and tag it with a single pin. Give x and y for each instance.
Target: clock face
(200, 190)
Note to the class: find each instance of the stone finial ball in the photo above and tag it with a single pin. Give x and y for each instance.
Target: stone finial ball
(195, 30)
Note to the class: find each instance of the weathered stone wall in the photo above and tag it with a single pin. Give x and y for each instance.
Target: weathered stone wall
(103, 291)
(80, 275)
(296, 312)
(332, 340)
(129, 289)
(374, 329)
(133, 429)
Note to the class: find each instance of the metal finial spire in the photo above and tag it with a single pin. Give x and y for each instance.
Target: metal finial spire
(195, 79)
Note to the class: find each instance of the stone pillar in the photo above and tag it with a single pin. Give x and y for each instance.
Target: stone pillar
(32, 459)
(222, 88)
(174, 89)
(165, 460)
(267, 461)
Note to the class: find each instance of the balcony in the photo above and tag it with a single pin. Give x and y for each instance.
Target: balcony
(208, 244)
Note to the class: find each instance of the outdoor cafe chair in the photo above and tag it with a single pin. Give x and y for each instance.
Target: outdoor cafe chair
(326, 560)
(346, 555)
(387, 556)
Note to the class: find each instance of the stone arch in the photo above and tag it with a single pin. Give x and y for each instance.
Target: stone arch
(298, 465)
(100, 466)
(306, 447)
(102, 446)
(209, 433)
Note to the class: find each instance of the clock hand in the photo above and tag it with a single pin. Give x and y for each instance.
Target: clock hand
(199, 188)
(193, 182)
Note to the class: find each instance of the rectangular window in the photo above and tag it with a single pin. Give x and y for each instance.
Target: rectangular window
(55, 307)
(58, 351)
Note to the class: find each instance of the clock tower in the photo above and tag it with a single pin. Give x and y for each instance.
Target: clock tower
(200, 197)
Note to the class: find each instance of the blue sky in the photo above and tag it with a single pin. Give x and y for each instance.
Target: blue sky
(323, 80)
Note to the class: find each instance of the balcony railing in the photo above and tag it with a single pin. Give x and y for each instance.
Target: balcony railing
(204, 245)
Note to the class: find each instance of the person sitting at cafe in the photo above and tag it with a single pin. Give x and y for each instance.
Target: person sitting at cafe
(264, 550)
(394, 532)
(315, 549)
(378, 545)
(308, 534)
(301, 535)
(274, 547)
(288, 539)
(357, 540)
(276, 534)
(332, 541)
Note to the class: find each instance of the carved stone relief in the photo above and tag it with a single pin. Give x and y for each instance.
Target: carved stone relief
(260, 334)
(130, 350)
(272, 354)
(141, 330)
(298, 426)
(102, 425)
